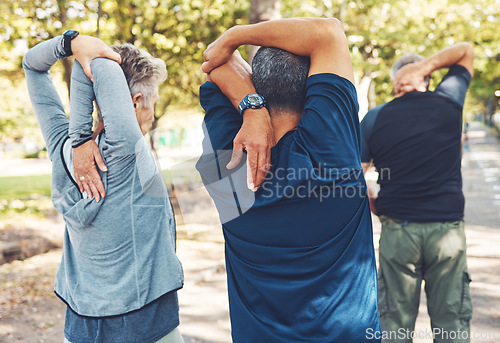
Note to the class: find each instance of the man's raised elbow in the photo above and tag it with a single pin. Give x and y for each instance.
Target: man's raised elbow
(468, 58)
(333, 26)
(468, 49)
(331, 29)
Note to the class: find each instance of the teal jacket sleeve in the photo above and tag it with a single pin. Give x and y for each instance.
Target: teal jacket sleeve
(43, 95)
(123, 133)
(111, 91)
(81, 107)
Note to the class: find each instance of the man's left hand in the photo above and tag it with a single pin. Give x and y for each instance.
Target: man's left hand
(217, 53)
(409, 78)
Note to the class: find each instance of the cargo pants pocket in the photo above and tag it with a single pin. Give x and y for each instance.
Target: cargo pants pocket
(383, 300)
(465, 312)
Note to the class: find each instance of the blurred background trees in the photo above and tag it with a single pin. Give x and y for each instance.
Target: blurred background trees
(178, 32)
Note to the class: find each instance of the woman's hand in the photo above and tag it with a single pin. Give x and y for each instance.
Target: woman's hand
(86, 48)
(85, 158)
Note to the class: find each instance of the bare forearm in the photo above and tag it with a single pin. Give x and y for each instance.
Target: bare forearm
(461, 53)
(234, 78)
(323, 40)
(300, 36)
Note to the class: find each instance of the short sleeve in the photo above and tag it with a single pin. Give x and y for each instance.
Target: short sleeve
(455, 84)
(329, 128)
(222, 121)
(366, 127)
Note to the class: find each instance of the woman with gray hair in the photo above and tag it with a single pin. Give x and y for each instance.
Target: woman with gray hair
(119, 274)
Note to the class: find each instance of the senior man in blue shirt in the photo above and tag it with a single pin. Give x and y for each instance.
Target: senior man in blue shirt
(119, 274)
(299, 247)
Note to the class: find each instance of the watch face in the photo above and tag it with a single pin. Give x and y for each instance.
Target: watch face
(71, 33)
(254, 99)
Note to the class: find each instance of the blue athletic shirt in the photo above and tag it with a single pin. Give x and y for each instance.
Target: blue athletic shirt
(299, 252)
(415, 144)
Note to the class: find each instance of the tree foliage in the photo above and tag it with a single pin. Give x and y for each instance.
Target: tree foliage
(178, 32)
(379, 32)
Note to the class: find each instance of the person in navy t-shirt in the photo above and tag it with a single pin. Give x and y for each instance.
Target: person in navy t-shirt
(415, 143)
(299, 247)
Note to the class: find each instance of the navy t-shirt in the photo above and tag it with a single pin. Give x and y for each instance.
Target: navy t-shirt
(299, 252)
(415, 144)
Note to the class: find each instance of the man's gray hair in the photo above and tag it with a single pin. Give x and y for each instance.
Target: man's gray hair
(281, 77)
(407, 59)
(143, 72)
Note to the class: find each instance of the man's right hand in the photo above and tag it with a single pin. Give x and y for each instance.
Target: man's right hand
(86, 48)
(85, 158)
(256, 136)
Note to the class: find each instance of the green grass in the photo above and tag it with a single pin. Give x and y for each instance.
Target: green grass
(31, 194)
(24, 187)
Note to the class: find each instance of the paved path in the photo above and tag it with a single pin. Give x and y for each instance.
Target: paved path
(30, 313)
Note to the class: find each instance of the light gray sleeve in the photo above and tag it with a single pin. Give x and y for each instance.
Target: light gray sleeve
(81, 107)
(115, 102)
(43, 95)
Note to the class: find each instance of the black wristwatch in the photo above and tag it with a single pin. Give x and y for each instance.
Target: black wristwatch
(251, 101)
(68, 36)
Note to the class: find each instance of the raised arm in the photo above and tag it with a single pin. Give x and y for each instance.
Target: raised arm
(234, 78)
(86, 154)
(323, 40)
(411, 76)
(44, 98)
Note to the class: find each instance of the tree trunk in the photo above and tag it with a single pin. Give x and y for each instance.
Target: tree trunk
(154, 126)
(363, 90)
(152, 138)
(366, 93)
(99, 15)
(67, 62)
(262, 10)
(491, 110)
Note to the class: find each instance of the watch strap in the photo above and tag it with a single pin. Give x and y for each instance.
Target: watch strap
(68, 36)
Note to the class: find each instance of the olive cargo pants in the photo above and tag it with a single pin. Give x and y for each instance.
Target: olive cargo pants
(436, 253)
